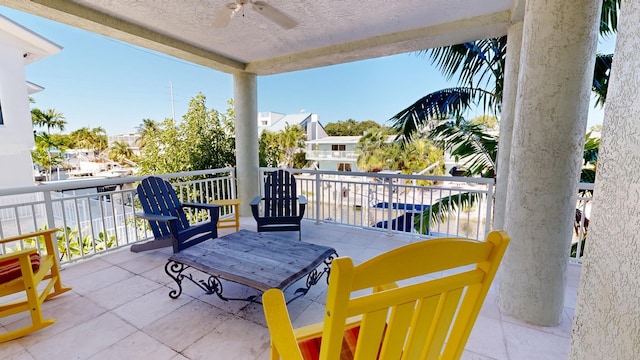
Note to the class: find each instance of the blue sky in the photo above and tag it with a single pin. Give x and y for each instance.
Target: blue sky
(97, 81)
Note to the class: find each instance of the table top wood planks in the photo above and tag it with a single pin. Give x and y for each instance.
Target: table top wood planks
(257, 260)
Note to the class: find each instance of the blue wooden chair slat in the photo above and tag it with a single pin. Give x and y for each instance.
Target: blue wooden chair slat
(167, 218)
(283, 208)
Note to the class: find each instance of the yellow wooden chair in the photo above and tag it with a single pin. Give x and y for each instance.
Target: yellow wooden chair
(228, 219)
(422, 317)
(22, 272)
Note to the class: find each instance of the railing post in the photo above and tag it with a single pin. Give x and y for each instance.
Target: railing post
(48, 208)
(317, 197)
(232, 185)
(487, 221)
(390, 207)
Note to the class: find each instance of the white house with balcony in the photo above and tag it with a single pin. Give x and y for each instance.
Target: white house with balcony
(18, 47)
(336, 153)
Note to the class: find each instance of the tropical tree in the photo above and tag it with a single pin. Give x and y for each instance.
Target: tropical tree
(268, 149)
(479, 66)
(469, 142)
(147, 130)
(50, 119)
(120, 151)
(373, 152)
(478, 148)
(282, 149)
(94, 139)
(351, 127)
(376, 154)
(43, 155)
(202, 140)
(291, 141)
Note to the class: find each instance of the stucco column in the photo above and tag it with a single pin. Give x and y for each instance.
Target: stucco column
(556, 68)
(510, 89)
(245, 93)
(607, 316)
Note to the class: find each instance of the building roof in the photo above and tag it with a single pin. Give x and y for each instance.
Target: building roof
(34, 46)
(289, 119)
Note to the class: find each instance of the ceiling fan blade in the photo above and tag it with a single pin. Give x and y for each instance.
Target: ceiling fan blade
(225, 14)
(275, 15)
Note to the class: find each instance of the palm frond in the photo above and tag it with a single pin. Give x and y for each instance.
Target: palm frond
(446, 206)
(601, 73)
(591, 150)
(478, 63)
(609, 17)
(470, 142)
(434, 106)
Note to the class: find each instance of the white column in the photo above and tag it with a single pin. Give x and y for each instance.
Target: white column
(607, 316)
(510, 89)
(246, 110)
(556, 68)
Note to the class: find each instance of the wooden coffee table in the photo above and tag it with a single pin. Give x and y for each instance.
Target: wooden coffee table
(258, 260)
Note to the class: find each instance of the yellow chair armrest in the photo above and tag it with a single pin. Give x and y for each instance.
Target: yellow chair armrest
(17, 255)
(315, 330)
(28, 236)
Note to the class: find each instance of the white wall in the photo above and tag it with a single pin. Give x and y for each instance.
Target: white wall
(16, 134)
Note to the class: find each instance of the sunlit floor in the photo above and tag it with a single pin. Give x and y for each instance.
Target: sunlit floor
(120, 309)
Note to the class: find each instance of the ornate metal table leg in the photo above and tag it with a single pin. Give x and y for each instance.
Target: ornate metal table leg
(171, 268)
(314, 276)
(212, 285)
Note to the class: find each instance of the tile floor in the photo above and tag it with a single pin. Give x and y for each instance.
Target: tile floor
(120, 308)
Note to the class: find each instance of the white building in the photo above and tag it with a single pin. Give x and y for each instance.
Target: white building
(336, 153)
(131, 139)
(18, 47)
(276, 122)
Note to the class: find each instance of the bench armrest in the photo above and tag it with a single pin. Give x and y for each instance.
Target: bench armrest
(256, 201)
(302, 200)
(153, 217)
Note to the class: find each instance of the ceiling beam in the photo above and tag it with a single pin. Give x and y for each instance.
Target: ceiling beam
(481, 27)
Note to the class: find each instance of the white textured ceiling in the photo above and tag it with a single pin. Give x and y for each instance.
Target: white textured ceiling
(328, 32)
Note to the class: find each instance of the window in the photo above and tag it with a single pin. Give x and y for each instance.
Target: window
(338, 148)
(344, 166)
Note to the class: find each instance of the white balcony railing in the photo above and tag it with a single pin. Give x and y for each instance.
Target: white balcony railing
(331, 155)
(99, 215)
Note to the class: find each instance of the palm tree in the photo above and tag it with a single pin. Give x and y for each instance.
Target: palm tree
(120, 151)
(480, 68)
(478, 148)
(147, 130)
(291, 141)
(49, 119)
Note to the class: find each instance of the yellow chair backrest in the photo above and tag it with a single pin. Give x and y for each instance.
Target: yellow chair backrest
(412, 312)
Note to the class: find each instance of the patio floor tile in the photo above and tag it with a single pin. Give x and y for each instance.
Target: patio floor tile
(120, 308)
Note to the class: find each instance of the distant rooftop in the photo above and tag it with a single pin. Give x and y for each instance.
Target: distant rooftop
(278, 122)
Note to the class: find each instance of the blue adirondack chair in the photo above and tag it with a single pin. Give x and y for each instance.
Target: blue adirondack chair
(282, 209)
(167, 219)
